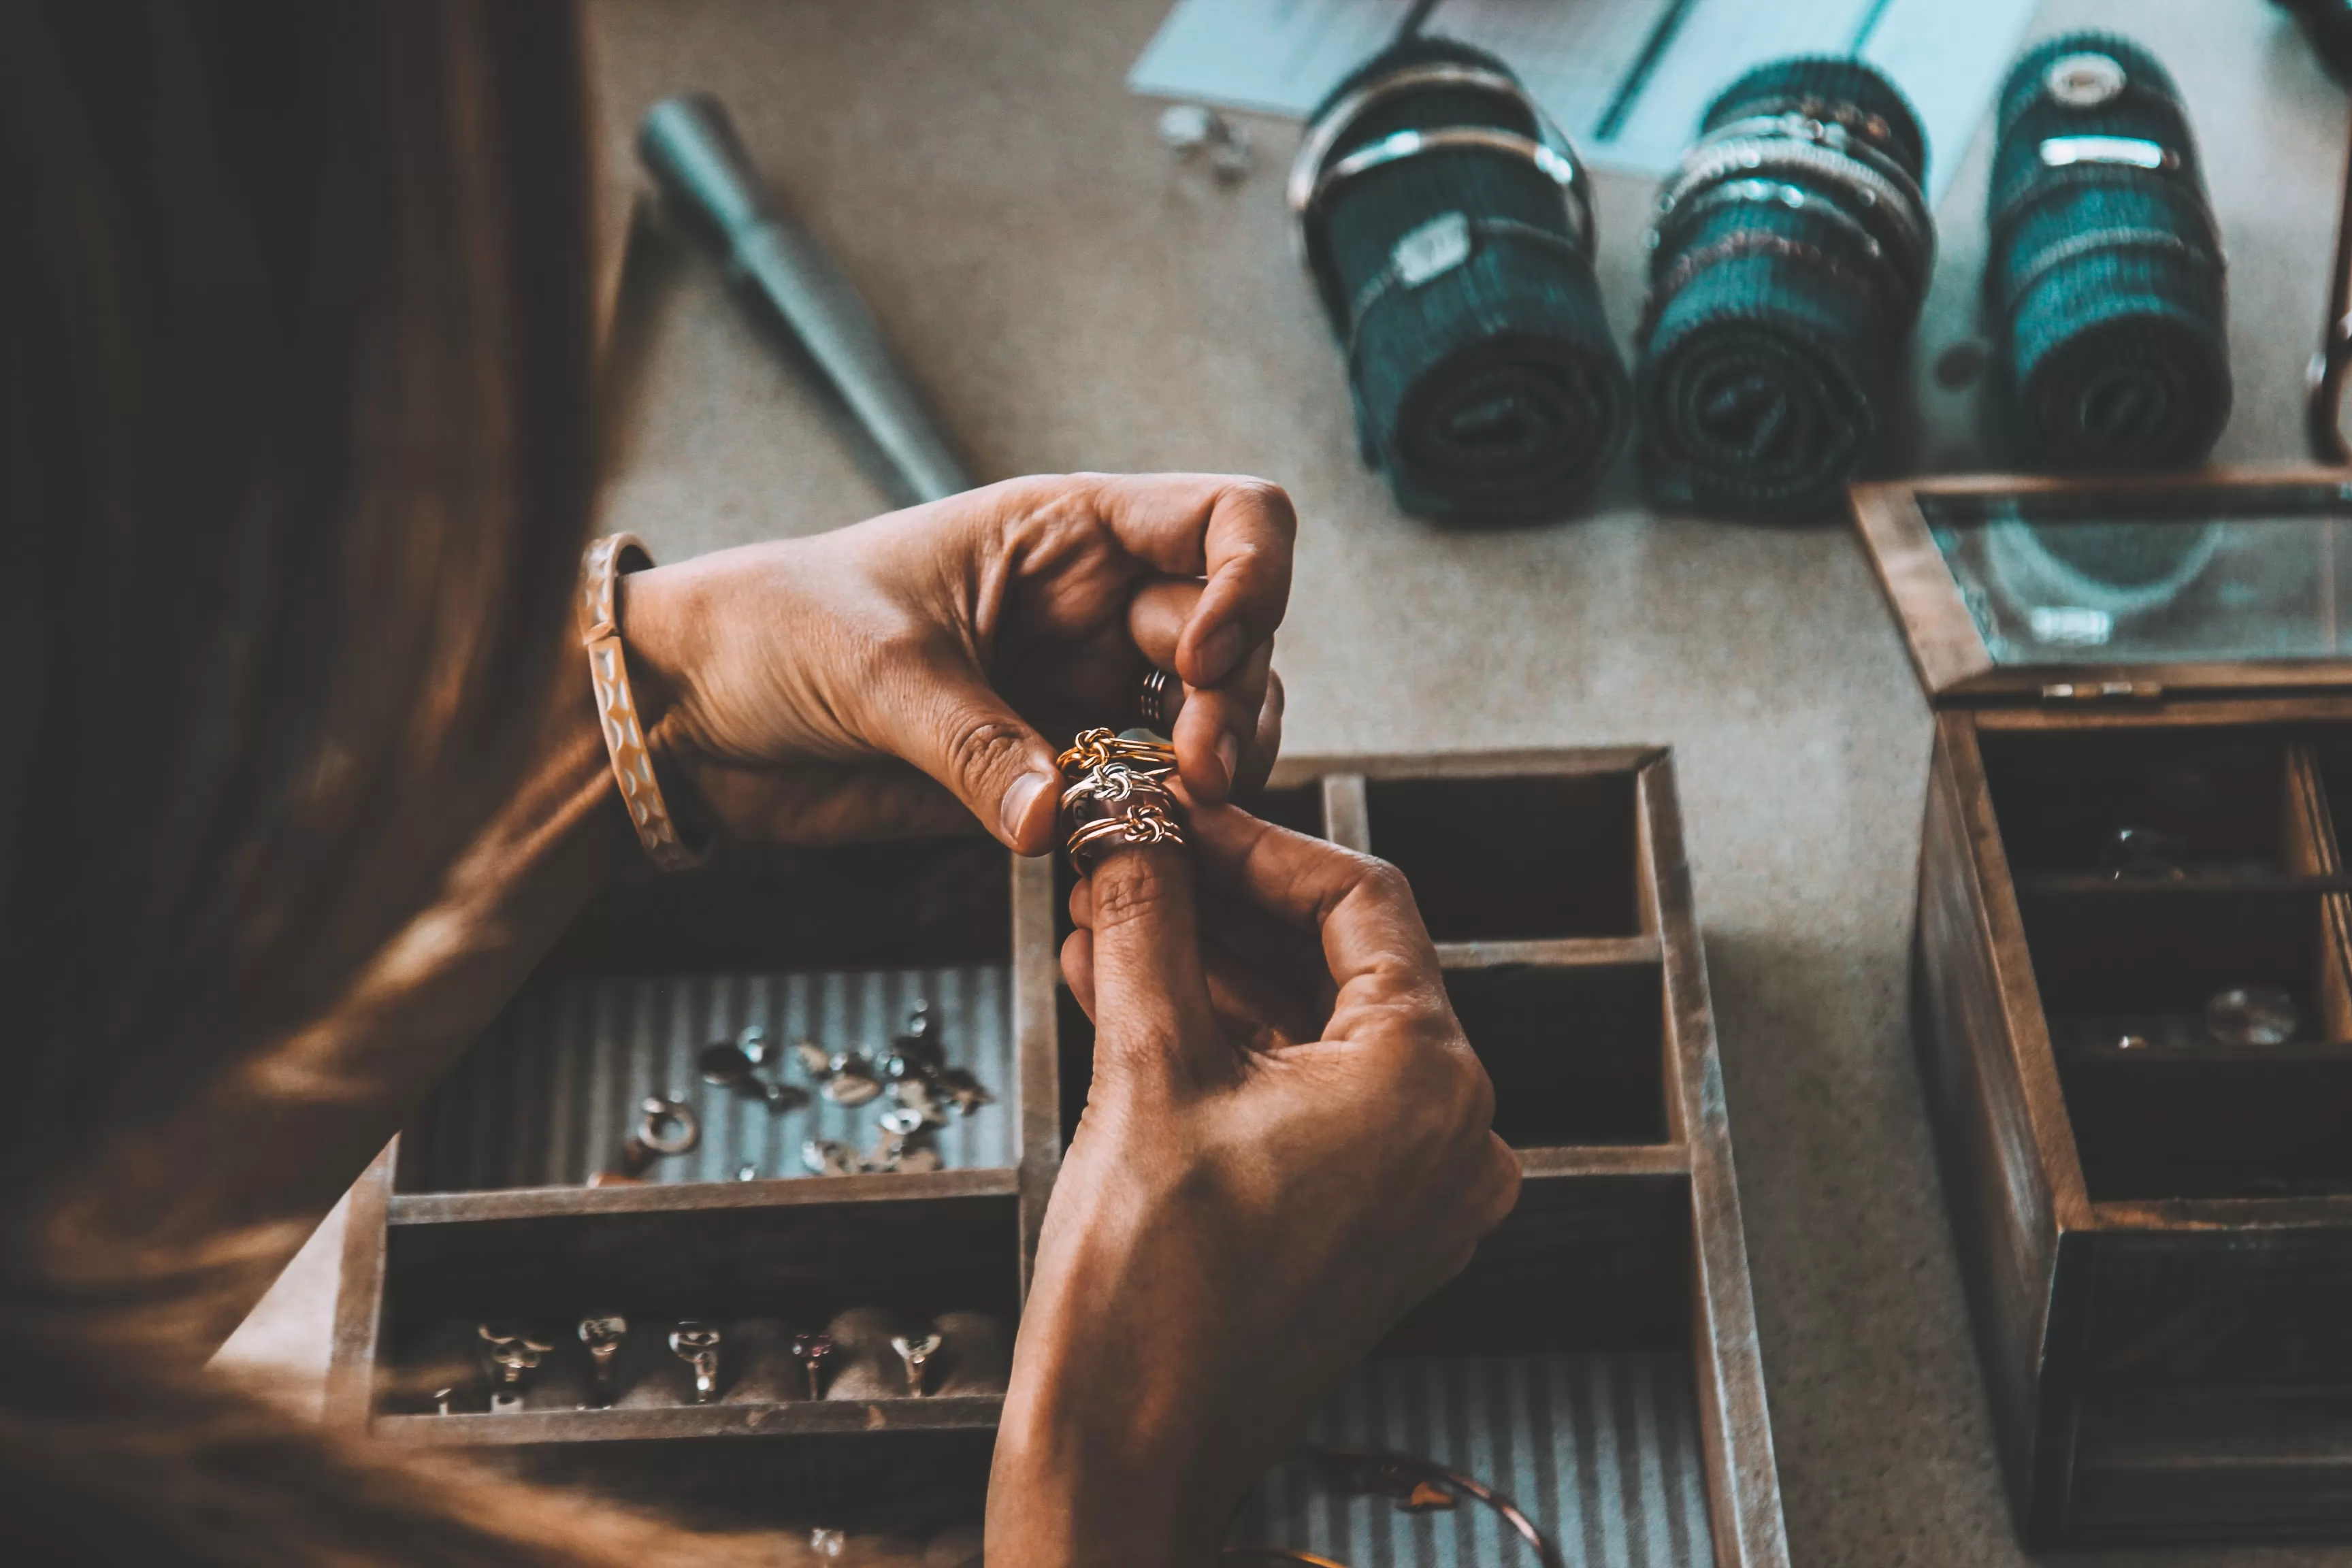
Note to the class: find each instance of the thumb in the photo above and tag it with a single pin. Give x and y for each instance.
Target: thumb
(969, 739)
(1151, 990)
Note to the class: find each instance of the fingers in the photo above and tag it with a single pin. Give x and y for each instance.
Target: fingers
(1253, 1009)
(1237, 532)
(1371, 927)
(1152, 1018)
(1221, 729)
(969, 739)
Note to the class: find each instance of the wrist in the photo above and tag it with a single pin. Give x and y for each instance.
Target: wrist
(662, 633)
(1106, 1451)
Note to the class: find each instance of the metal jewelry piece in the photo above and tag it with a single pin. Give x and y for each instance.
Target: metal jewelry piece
(1095, 748)
(736, 1065)
(1156, 702)
(812, 1350)
(916, 1351)
(603, 1336)
(831, 1157)
(903, 1151)
(1192, 129)
(850, 1079)
(2252, 1015)
(513, 1355)
(2145, 853)
(697, 1345)
(684, 1128)
(967, 1091)
(1409, 1480)
(1117, 794)
(916, 1053)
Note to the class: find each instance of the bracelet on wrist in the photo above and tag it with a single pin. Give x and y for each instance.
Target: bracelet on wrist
(616, 707)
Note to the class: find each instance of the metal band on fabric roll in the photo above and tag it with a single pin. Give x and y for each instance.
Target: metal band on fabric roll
(1448, 228)
(1790, 257)
(2105, 274)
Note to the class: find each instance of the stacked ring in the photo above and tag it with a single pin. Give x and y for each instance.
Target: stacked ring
(1118, 793)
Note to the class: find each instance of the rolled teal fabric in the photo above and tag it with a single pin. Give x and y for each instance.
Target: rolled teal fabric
(2105, 273)
(1486, 382)
(1788, 259)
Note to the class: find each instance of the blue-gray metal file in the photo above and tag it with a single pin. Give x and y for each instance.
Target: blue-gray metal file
(690, 148)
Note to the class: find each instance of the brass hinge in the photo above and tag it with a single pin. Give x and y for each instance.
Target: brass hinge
(2103, 692)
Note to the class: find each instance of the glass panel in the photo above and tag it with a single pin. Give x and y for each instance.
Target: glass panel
(2224, 572)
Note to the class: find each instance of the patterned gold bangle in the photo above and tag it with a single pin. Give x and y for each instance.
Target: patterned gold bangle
(616, 710)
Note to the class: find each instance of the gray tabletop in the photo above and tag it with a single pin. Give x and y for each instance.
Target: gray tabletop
(1069, 298)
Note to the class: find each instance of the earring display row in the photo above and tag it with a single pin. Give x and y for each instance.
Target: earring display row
(2133, 984)
(1604, 1334)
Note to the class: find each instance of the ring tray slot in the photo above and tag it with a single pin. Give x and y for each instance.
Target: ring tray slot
(1555, 887)
(2130, 954)
(1512, 857)
(1575, 1052)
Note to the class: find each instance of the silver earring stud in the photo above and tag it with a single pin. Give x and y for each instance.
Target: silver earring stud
(915, 1352)
(603, 1336)
(2252, 1015)
(812, 1350)
(513, 1355)
(697, 1345)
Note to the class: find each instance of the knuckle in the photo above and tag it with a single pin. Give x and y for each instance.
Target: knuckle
(980, 746)
(1128, 888)
(1263, 495)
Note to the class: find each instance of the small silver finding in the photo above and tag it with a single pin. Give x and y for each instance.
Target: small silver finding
(1195, 131)
(916, 1351)
(831, 1157)
(850, 1080)
(666, 1125)
(513, 1355)
(603, 1336)
(2252, 1015)
(697, 1345)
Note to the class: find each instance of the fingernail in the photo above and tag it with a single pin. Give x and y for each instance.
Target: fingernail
(1219, 653)
(1229, 752)
(1017, 801)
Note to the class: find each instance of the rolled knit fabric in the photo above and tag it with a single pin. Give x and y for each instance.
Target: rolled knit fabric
(1789, 259)
(2105, 277)
(1486, 382)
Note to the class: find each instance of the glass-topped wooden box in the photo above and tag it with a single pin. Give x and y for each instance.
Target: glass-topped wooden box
(2133, 981)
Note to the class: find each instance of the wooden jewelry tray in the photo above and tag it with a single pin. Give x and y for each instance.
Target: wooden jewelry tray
(1555, 887)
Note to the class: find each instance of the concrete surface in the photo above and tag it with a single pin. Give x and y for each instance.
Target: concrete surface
(1069, 298)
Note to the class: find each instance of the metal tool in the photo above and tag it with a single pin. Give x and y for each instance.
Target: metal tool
(690, 148)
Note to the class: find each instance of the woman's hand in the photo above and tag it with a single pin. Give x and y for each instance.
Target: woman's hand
(1287, 1143)
(904, 676)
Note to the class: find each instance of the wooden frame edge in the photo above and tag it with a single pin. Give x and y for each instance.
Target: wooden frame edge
(1744, 1507)
(353, 1353)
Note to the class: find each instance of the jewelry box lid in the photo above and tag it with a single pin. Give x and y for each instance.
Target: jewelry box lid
(2023, 589)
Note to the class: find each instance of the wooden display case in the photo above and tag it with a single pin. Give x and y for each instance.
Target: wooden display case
(1555, 885)
(2143, 743)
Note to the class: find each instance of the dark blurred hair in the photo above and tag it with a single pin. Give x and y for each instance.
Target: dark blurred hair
(295, 338)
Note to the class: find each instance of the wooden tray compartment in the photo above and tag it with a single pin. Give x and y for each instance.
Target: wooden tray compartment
(1583, 989)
